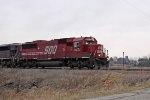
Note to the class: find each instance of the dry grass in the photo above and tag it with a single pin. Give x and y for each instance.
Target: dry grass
(48, 84)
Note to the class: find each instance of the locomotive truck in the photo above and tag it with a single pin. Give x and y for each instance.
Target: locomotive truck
(69, 52)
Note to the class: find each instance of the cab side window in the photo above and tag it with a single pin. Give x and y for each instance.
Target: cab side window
(76, 44)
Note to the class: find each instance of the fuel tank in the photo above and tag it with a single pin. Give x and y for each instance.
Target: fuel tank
(50, 63)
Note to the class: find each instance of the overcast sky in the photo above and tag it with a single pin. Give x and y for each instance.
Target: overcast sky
(121, 25)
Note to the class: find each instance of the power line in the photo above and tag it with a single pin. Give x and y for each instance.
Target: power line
(138, 9)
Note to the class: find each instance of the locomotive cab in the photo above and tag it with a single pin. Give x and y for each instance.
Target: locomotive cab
(97, 52)
(90, 45)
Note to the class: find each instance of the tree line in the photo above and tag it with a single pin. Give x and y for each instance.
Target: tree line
(141, 62)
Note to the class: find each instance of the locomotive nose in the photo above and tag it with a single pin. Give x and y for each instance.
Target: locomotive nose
(95, 50)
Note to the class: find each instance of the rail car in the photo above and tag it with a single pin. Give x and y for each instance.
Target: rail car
(9, 53)
(69, 52)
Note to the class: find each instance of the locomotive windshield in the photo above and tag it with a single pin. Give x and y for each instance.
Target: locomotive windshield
(89, 42)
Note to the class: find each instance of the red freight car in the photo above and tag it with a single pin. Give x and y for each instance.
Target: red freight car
(72, 52)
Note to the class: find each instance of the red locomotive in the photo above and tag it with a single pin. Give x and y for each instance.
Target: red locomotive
(71, 52)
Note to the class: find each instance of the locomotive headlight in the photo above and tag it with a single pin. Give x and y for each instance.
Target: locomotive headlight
(99, 55)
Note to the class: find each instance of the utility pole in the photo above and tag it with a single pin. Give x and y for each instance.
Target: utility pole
(123, 60)
(107, 52)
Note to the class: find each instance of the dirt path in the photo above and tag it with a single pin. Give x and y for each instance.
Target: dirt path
(137, 95)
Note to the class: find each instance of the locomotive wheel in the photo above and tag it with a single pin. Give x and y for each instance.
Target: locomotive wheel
(70, 65)
(92, 66)
(3, 64)
(98, 65)
(36, 66)
(13, 65)
(79, 65)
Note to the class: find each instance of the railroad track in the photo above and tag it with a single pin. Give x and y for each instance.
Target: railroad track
(67, 68)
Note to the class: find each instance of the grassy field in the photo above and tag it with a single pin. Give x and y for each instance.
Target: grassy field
(63, 84)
